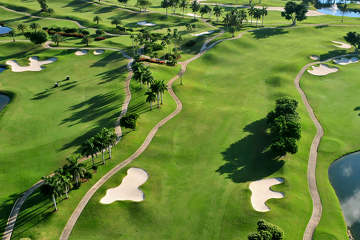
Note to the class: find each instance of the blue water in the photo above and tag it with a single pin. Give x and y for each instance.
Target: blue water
(4, 100)
(337, 12)
(344, 175)
(4, 30)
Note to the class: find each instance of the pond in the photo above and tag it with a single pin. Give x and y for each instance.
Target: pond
(335, 11)
(344, 175)
(4, 30)
(4, 100)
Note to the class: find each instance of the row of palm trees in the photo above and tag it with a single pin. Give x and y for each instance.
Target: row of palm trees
(156, 88)
(64, 179)
(69, 176)
(100, 142)
(22, 28)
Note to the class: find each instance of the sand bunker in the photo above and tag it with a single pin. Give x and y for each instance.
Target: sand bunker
(192, 15)
(144, 23)
(81, 52)
(34, 65)
(341, 45)
(346, 61)
(128, 189)
(203, 33)
(314, 57)
(322, 70)
(260, 193)
(98, 52)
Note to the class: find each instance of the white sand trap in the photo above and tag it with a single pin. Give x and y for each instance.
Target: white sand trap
(203, 33)
(98, 52)
(81, 52)
(322, 70)
(34, 65)
(341, 45)
(144, 23)
(314, 57)
(346, 61)
(261, 192)
(192, 15)
(128, 189)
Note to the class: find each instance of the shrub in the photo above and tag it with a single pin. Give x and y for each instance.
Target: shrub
(99, 32)
(99, 38)
(88, 175)
(129, 120)
(36, 37)
(94, 168)
(85, 32)
(121, 29)
(69, 30)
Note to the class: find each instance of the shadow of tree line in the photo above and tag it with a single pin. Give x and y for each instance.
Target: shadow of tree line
(250, 158)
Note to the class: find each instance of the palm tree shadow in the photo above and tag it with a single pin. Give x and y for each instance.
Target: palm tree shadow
(357, 109)
(250, 159)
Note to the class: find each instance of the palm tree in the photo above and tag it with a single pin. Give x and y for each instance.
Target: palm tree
(116, 22)
(195, 7)
(150, 98)
(183, 5)
(264, 13)
(97, 19)
(21, 27)
(86, 40)
(51, 188)
(89, 149)
(34, 26)
(12, 34)
(251, 12)
(257, 15)
(147, 77)
(139, 72)
(101, 142)
(162, 89)
(57, 38)
(63, 179)
(111, 140)
(76, 169)
(217, 12)
(156, 89)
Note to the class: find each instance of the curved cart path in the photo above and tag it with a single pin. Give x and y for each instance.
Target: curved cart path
(20, 201)
(311, 172)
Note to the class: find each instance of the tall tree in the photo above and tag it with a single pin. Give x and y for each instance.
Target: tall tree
(97, 19)
(294, 12)
(162, 89)
(21, 27)
(205, 9)
(174, 4)
(155, 88)
(143, 4)
(257, 15)
(86, 40)
(12, 34)
(354, 39)
(63, 179)
(101, 142)
(264, 13)
(34, 26)
(217, 12)
(75, 168)
(165, 4)
(88, 148)
(57, 38)
(123, 2)
(251, 12)
(51, 188)
(150, 98)
(195, 7)
(183, 5)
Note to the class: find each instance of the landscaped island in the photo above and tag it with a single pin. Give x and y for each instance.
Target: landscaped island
(166, 119)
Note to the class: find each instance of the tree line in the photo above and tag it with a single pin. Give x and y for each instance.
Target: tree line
(74, 172)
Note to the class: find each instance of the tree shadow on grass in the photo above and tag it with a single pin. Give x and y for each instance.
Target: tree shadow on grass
(112, 57)
(267, 32)
(105, 9)
(5, 209)
(331, 54)
(111, 75)
(250, 159)
(357, 109)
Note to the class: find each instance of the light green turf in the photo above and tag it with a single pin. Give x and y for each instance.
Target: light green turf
(334, 100)
(226, 95)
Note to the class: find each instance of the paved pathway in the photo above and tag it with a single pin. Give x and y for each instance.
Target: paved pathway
(311, 172)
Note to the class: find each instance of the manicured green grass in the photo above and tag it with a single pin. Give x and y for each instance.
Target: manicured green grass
(334, 100)
(226, 95)
(95, 110)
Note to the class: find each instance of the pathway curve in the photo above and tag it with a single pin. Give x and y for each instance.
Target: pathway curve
(20, 201)
(311, 172)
